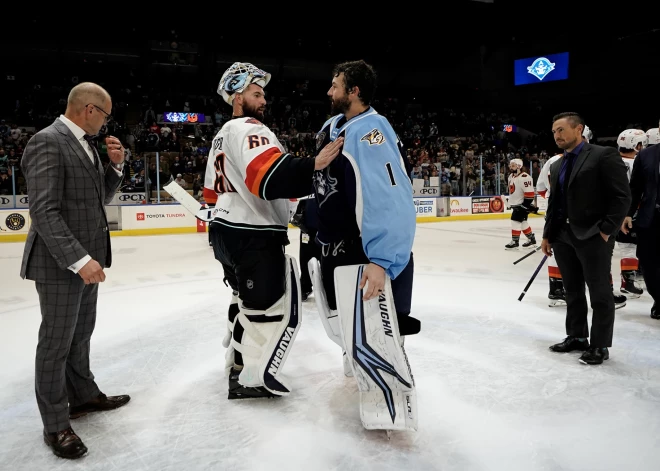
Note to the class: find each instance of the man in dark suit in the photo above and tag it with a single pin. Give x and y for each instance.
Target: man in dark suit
(645, 189)
(67, 247)
(589, 200)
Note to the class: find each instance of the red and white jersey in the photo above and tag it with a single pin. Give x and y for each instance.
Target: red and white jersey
(543, 182)
(209, 194)
(629, 161)
(521, 187)
(244, 155)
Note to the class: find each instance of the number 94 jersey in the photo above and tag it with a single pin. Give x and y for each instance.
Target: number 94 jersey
(521, 187)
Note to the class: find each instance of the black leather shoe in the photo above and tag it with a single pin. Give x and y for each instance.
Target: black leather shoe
(595, 356)
(655, 314)
(101, 403)
(570, 344)
(65, 444)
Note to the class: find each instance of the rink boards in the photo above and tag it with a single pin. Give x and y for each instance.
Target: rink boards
(128, 216)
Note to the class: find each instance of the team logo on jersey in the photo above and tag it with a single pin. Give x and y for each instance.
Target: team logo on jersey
(218, 143)
(373, 137)
(15, 222)
(540, 68)
(320, 137)
(325, 185)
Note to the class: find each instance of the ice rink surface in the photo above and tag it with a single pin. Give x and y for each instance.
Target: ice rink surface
(491, 395)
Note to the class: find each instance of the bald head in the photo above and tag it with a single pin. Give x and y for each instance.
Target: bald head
(84, 94)
(89, 106)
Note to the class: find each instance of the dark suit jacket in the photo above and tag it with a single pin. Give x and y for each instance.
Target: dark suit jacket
(598, 195)
(644, 185)
(67, 206)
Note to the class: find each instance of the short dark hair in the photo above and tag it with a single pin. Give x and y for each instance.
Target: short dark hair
(572, 117)
(358, 74)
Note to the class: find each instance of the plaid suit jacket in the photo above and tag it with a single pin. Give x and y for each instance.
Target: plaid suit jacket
(67, 197)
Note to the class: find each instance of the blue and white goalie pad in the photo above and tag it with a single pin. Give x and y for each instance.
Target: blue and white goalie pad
(370, 335)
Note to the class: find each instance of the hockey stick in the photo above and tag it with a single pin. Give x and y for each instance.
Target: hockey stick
(531, 280)
(528, 255)
(198, 210)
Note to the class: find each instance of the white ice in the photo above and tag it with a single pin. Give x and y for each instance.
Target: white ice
(491, 395)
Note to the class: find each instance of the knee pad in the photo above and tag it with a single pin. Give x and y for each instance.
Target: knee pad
(370, 334)
(264, 338)
(329, 318)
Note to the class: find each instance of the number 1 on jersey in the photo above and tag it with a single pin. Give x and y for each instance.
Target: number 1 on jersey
(388, 166)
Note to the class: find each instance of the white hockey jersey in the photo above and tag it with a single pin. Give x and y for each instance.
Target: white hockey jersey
(255, 177)
(629, 161)
(521, 187)
(543, 182)
(209, 194)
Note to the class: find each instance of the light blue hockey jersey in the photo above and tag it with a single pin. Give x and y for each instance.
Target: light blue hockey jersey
(366, 191)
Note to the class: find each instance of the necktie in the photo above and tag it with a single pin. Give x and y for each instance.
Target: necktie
(569, 167)
(92, 143)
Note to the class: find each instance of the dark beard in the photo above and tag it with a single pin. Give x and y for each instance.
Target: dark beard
(340, 106)
(253, 112)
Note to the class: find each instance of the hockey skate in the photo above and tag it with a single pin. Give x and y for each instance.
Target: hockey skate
(513, 245)
(556, 295)
(238, 391)
(531, 241)
(619, 301)
(628, 286)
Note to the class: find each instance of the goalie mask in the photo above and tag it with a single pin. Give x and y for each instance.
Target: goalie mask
(238, 77)
(587, 134)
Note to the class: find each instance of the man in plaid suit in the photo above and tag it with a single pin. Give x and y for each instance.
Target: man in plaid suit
(67, 248)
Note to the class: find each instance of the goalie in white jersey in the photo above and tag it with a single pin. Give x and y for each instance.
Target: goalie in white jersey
(630, 142)
(521, 195)
(254, 179)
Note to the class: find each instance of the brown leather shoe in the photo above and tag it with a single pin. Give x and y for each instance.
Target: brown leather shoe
(101, 403)
(65, 444)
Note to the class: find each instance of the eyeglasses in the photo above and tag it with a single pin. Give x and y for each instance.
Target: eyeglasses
(108, 117)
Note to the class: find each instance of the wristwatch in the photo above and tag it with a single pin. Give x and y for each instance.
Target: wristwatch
(119, 167)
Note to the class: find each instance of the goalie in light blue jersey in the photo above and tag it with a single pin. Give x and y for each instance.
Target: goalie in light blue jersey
(365, 199)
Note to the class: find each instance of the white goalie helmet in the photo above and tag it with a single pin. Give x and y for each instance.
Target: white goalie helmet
(237, 78)
(587, 134)
(631, 138)
(653, 136)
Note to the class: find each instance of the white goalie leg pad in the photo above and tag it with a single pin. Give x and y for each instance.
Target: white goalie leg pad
(265, 345)
(370, 332)
(329, 318)
(230, 322)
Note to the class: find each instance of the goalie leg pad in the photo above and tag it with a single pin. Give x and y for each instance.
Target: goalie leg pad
(231, 318)
(264, 338)
(370, 332)
(329, 318)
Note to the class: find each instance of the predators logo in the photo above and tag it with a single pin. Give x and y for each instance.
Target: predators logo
(373, 137)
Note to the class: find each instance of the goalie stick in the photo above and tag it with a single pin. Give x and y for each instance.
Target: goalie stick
(200, 211)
